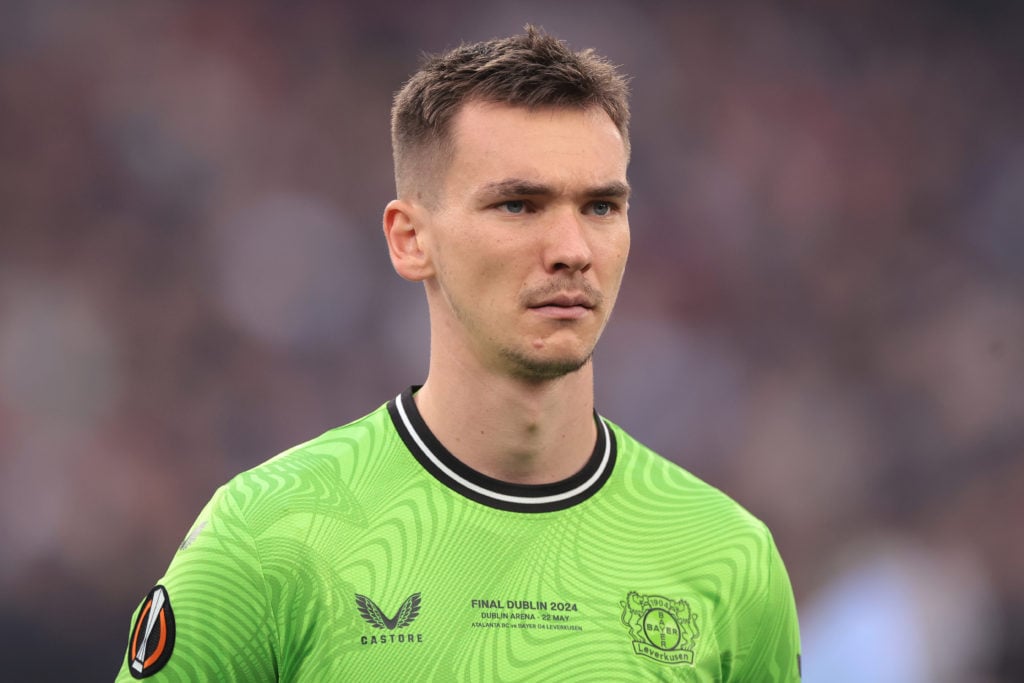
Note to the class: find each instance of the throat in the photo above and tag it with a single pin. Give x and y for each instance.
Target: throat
(535, 457)
(514, 440)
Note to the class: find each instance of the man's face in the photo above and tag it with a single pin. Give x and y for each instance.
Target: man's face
(528, 238)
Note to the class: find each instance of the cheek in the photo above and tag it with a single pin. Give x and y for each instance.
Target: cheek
(493, 263)
(616, 256)
(472, 277)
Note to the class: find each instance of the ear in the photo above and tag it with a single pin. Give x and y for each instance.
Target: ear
(402, 229)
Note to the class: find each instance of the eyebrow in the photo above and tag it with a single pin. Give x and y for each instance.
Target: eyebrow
(526, 188)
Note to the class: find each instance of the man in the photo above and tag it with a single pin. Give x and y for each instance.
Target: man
(488, 525)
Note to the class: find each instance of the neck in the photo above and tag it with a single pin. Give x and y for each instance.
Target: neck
(514, 430)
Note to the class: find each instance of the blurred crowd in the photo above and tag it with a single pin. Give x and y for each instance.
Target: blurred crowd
(823, 312)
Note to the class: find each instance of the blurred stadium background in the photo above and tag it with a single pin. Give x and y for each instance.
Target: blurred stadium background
(822, 316)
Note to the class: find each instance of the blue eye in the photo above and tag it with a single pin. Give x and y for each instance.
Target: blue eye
(515, 206)
(601, 208)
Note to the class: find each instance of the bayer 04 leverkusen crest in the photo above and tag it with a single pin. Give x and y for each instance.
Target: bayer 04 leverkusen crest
(662, 629)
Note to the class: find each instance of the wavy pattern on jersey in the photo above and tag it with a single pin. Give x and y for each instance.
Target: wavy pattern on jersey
(354, 512)
(392, 514)
(641, 522)
(224, 548)
(648, 507)
(313, 478)
(690, 529)
(514, 656)
(571, 555)
(340, 544)
(262, 529)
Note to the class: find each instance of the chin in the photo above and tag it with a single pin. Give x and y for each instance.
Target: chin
(539, 369)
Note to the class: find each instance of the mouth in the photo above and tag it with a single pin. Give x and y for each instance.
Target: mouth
(564, 306)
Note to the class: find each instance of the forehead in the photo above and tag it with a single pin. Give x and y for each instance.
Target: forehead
(554, 145)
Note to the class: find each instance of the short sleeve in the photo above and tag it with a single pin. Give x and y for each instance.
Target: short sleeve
(773, 654)
(209, 616)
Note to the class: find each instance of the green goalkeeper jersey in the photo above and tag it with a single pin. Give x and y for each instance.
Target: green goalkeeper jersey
(371, 553)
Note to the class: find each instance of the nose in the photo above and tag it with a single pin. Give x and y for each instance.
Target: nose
(567, 248)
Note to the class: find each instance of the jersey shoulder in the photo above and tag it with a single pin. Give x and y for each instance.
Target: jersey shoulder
(754, 619)
(360, 434)
(667, 483)
(313, 475)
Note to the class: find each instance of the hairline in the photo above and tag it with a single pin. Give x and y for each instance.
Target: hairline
(432, 157)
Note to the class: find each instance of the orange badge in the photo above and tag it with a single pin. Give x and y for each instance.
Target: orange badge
(152, 639)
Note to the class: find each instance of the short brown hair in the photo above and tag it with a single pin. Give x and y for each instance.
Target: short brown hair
(533, 69)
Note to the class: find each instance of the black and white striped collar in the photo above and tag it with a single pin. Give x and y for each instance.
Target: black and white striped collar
(459, 477)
